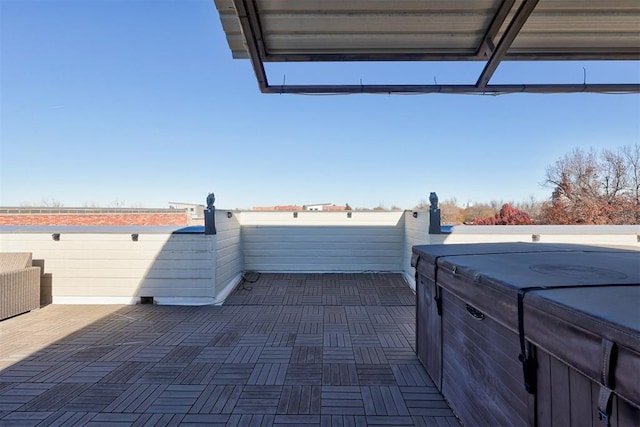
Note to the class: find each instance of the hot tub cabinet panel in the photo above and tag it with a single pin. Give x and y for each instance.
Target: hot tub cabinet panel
(577, 309)
(480, 367)
(428, 329)
(429, 296)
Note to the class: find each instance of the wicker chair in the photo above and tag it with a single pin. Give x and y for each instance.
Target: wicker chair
(19, 284)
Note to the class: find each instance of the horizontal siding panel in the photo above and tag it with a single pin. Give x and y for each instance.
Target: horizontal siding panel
(168, 289)
(120, 288)
(337, 245)
(314, 230)
(325, 219)
(93, 237)
(113, 255)
(336, 252)
(317, 267)
(324, 237)
(110, 246)
(126, 273)
(228, 252)
(296, 255)
(352, 246)
(227, 257)
(416, 232)
(227, 228)
(313, 264)
(137, 264)
(226, 242)
(105, 265)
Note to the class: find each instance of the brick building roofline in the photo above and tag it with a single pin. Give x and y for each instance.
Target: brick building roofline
(45, 210)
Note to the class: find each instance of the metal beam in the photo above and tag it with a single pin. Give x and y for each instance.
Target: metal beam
(518, 21)
(488, 44)
(246, 22)
(632, 54)
(453, 89)
(256, 26)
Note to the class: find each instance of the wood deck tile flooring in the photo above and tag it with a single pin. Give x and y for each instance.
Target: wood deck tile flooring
(288, 349)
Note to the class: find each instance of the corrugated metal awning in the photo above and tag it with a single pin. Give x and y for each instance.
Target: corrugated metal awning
(432, 30)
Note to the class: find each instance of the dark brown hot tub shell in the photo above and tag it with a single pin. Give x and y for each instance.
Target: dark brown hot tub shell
(576, 308)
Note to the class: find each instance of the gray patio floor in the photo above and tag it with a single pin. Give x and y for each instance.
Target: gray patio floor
(289, 349)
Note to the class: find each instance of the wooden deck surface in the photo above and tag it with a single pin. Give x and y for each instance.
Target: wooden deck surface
(288, 349)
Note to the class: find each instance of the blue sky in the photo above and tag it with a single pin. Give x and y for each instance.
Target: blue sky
(140, 102)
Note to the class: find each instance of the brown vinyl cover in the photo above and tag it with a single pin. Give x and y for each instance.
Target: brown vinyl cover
(568, 323)
(423, 257)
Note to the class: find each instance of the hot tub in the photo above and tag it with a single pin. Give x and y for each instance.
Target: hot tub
(530, 333)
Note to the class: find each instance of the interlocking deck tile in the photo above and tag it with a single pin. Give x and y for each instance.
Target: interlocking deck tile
(343, 421)
(275, 355)
(233, 373)
(410, 375)
(96, 398)
(281, 339)
(122, 352)
(304, 374)
(182, 354)
(23, 371)
(375, 375)
(25, 418)
(152, 420)
(260, 327)
(306, 354)
(341, 400)
(197, 373)
(68, 418)
(369, 355)
(151, 353)
(268, 374)
(361, 328)
(300, 399)
(248, 420)
(213, 355)
(393, 340)
(383, 400)
(339, 374)
(256, 399)
(397, 421)
(225, 339)
(244, 354)
(296, 420)
(217, 399)
(55, 397)
(59, 371)
(365, 341)
(289, 349)
(204, 419)
(337, 339)
(136, 398)
(310, 327)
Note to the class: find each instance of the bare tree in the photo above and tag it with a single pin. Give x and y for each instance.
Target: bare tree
(592, 188)
(450, 212)
(51, 203)
(632, 158)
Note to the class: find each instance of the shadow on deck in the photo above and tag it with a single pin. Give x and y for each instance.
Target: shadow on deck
(288, 349)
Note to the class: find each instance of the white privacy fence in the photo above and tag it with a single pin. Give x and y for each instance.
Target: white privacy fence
(169, 266)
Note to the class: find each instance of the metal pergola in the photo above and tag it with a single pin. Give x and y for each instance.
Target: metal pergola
(491, 31)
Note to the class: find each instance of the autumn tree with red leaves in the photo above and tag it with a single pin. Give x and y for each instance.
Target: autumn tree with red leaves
(594, 188)
(508, 215)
